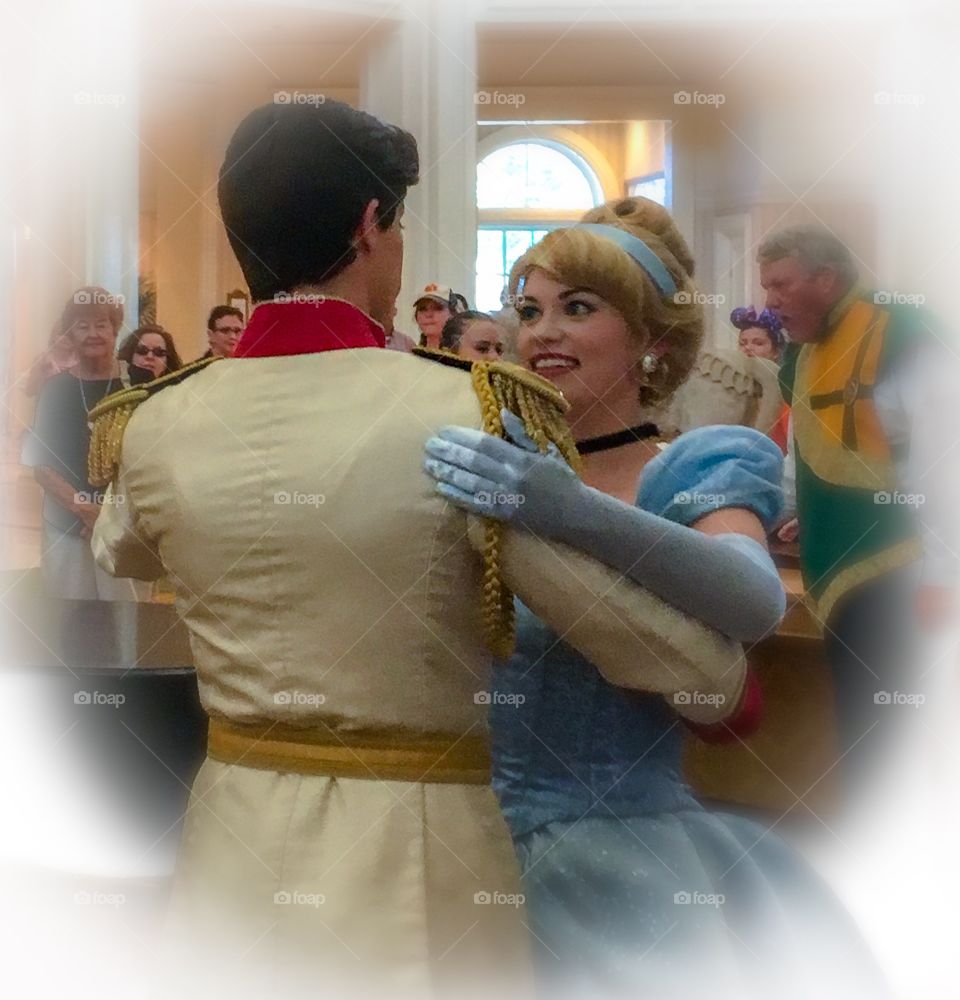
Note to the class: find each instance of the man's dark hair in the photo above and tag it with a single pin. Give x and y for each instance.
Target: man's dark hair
(456, 327)
(218, 312)
(294, 183)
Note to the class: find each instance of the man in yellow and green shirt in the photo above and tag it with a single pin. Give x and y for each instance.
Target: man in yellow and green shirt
(867, 375)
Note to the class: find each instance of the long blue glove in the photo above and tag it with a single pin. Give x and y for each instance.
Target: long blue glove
(727, 581)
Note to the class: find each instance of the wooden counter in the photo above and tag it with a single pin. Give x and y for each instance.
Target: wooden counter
(788, 761)
(127, 648)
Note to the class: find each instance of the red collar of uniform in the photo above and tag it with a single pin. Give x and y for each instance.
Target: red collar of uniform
(281, 329)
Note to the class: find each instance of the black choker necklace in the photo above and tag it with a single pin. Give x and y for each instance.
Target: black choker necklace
(627, 436)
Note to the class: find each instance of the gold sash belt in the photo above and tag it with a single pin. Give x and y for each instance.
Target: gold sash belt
(435, 759)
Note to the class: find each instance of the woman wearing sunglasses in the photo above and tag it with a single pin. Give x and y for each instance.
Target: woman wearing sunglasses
(150, 349)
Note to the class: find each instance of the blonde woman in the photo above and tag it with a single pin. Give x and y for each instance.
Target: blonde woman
(632, 886)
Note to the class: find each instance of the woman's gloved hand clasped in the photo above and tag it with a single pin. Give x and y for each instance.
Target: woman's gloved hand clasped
(510, 480)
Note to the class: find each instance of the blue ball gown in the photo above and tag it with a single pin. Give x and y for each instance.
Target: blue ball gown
(632, 887)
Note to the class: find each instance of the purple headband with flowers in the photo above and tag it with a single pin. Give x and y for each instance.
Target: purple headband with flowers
(746, 317)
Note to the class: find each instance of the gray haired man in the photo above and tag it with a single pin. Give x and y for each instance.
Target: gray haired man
(868, 377)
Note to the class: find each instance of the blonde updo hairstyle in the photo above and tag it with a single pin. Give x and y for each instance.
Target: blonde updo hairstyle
(668, 327)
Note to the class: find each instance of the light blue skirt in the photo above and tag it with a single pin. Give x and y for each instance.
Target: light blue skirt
(658, 906)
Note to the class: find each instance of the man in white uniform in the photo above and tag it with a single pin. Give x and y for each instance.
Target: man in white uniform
(342, 829)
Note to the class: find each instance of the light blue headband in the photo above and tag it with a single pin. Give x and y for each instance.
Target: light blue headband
(638, 250)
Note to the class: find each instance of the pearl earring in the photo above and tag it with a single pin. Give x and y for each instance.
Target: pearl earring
(649, 364)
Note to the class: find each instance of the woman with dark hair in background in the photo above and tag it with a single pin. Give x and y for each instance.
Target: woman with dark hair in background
(151, 350)
(473, 335)
(761, 336)
(434, 306)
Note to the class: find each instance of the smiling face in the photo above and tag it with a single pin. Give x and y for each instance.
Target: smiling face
(755, 342)
(481, 341)
(583, 345)
(151, 353)
(93, 337)
(430, 316)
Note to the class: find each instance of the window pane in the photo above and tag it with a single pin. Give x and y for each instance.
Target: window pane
(488, 291)
(533, 175)
(493, 268)
(654, 188)
(518, 240)
(489, 251)
(502, 178)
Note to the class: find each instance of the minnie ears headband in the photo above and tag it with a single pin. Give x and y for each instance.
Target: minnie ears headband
(746, 317)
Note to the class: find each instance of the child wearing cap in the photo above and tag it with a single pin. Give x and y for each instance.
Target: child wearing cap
(435, 305)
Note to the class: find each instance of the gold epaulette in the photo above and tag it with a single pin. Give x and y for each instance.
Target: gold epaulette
(442, 355)
(541, 406)
(110, 416)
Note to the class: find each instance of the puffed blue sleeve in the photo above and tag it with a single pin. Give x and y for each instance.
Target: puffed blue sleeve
(712, 468)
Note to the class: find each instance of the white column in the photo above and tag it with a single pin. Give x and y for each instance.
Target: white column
(186, 216)
(421, 75)
(69, 182)
(106, 39)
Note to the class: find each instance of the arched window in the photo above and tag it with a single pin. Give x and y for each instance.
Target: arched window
(524, 190)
